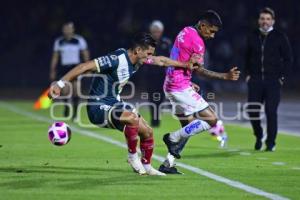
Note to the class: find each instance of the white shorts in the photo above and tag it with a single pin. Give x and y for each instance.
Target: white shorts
(186, 102)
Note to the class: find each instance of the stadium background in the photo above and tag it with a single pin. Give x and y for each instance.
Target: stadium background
(91, 166)
(28, 29)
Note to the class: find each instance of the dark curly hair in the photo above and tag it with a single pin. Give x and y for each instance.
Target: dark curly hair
(211, 17)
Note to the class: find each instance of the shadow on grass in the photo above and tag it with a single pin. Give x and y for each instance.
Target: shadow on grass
(61, 170)
(223, 154)
(71, 177)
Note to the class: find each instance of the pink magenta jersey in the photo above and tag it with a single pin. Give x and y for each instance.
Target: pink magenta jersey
(187, 43)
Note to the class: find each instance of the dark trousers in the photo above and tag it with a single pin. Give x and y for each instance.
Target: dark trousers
(74, 100)
(265, 92)
(156, 98)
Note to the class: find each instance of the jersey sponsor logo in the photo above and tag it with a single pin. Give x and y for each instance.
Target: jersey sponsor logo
(200, 47)
(180, 36)
(105, 107)
(104, 60)
(192, 127)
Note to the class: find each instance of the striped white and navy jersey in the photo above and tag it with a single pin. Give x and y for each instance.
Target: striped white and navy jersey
(114, 71)
(69, 50)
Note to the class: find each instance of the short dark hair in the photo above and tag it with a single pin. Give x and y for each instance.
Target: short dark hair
(68, 23)
(211, 17)
(268, 10)
(143, 40)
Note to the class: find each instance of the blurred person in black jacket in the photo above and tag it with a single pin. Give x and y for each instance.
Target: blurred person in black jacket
(268, 58)
(156, 75)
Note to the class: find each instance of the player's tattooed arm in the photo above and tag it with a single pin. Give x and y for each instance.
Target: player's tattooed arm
(82, 68)
(165, 62)
(232, 75)
(210, 74)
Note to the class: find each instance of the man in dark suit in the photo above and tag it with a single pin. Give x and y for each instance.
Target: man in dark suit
(268, 57)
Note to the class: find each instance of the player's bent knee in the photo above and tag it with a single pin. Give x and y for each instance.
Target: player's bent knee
(130, 119)
(133, 119)
(147, 133)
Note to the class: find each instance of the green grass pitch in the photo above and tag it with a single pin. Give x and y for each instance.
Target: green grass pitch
(87, 168)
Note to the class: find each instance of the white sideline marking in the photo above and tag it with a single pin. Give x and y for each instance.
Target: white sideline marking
(245, 154)
(278, 163)
(232, 183)
(232, 150)
(262, 158)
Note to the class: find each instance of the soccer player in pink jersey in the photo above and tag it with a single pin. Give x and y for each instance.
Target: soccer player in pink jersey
(106, 108)
(192, 110)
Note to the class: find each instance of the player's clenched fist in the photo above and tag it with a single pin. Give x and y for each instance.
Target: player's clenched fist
(233, 74)
(55, 90)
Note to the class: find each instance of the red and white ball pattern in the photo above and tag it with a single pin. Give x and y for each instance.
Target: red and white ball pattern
(59, 133)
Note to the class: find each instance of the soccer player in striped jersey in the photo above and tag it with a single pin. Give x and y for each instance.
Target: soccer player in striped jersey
(106, 109)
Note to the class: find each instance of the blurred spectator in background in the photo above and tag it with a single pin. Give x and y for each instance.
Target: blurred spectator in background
(156, 75)
(268, 58)
(69, 50)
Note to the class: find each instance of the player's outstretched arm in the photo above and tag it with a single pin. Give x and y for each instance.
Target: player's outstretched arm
(53, 65)
(165, 62)
(232, 75)
(82, 68)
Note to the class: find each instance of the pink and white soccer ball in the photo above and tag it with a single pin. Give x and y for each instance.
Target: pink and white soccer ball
(59, 133)
(218, 129)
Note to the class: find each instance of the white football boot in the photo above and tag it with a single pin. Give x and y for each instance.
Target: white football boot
(223, 138)
(153, 172)
(218, 131)
(137, 165)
